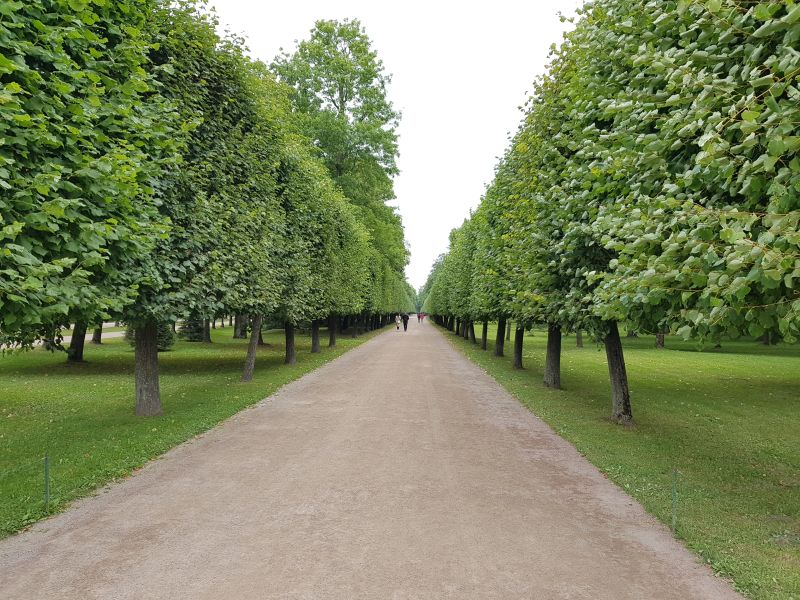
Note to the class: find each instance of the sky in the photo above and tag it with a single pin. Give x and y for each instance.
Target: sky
(459, 76)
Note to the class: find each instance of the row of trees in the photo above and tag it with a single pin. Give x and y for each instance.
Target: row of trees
(151, 172)
(654, 181)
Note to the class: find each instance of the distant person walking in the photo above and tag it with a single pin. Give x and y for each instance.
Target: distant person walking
(419, 317)
(397, 321)
(405, 318)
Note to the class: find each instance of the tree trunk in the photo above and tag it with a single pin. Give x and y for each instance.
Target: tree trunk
(354, 327)
(75, 350)
(315, 348)
(519, 336)
(239, 327)
(261, 341)
(552, 362)
(501, 333)
(291, 353)
(484, 334)
(332, 331)
(207, 330)
(620, 395)
(660, 341)
(508, 331)
(214, 323)
(579, 338)
(471, 331)
(250, 361)
(230, 320)
(97, 334)
(148, 396)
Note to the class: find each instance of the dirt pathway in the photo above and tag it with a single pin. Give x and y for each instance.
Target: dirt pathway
(400, 471)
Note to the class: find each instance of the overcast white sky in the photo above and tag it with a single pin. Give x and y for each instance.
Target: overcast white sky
(459, 76)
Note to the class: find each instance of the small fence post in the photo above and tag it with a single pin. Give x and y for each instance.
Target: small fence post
(674, 500)
(46, 483)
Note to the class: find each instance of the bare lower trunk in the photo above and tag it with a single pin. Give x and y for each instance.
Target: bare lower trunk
(508, 332)
(207, 330)
(261, 341)
(354, 327)
(76, 344)
(659, 341)
(472, 332)
(148, 396)
(519, 336)
(552, 362)
(239, 327)
(620, 395)
(332, 331)
(484, 334)
(230, 320)
(579, 338)
(97, 334)
(499, 340)
(291, 353)
(315, 347)
(250, 361)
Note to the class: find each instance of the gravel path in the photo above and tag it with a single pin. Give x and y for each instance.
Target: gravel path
(399, 470)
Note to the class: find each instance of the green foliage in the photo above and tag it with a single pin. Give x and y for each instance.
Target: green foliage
(191, 329)
(165, 340)
(339, 93)
(653, 180)
(706, 127)
(84, 135)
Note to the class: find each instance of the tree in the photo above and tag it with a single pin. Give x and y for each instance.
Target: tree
(339, 91)
(84, 138)
(218, 195)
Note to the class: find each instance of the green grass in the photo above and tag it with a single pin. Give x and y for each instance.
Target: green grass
(82, 415)
(728, 420)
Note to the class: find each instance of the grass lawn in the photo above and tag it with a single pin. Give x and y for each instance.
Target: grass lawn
(727, 420)
(82, 415)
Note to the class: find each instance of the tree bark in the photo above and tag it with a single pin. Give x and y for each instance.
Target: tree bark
(207, 331)
(239, 326)
(261, 341)
(484, 334)
(620, 395)
(552, 362)
(500, 339)
(354, 327)
(660, 341)
(148, 396)
(315, 347)
(579, 338)
(230, 320)
(291, 353)
(332, 331)
(508, 331)
(472, 332)
(519, 336)
(76, 344)
(97, 334)
(250, 361)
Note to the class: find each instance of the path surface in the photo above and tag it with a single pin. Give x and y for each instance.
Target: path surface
(398, 471)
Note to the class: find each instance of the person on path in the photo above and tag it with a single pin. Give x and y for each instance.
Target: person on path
(397, 321)
(419, 317)
(405, 318)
